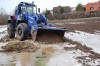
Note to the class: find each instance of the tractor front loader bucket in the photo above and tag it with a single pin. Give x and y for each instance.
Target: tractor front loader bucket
(49, 35)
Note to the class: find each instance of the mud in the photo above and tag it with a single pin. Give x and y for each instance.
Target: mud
(89, 27)
(57, 54)
(50, 36)
(6, 39)
(2, 40)
(19, 46)
(85, 60)
(82, 48)
(47, 39)
(45, 52)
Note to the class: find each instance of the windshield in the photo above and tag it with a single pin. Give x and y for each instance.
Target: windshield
(31, 10)
(28, 9)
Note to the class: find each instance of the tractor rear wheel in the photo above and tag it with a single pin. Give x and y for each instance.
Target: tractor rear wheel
(22, 31)
(10, 30)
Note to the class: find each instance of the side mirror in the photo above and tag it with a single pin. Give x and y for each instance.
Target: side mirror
(39, 10)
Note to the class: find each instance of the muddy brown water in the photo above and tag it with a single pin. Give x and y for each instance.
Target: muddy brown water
(46, 53)
(54, 54)
(49, 54)
(20, 59)
(25, 58)
(16, 59)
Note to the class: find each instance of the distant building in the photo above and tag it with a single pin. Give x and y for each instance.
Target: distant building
(73, 9)
(92, 7)
(58, 9)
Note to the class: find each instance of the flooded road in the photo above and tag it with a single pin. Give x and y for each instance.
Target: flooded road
(63, 58)
(50, 54)
(17, 59)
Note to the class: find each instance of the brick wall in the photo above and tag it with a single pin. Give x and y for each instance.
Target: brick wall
(92, 7)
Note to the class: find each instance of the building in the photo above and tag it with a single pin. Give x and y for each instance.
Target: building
(92, 7)
(61, 9)
(73, 10)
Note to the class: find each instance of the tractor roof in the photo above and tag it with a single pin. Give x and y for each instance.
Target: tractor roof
(26, 4)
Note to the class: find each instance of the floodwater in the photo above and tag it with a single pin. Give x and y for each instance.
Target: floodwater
(49, 54)
(63, 58)
(90, 40)
(20, 59)
(17, 59)
(54, 56)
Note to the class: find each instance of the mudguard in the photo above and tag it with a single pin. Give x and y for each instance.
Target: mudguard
(31, 23)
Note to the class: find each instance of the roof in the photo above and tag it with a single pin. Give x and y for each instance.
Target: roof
(93, 3)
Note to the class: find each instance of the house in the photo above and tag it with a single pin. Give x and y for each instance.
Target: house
(92, 7)
(61, 9)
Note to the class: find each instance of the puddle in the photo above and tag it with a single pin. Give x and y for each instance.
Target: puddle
(21, 59)
(47, 55)
(77, 23)
(25, 58)
(2, 44)
(3, 26)
(3, 31)
(90, 40)
(63, 58)
(17, 59)
(52, 54)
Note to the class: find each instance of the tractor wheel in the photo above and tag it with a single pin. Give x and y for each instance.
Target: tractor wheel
(10, 30)
(22, 31)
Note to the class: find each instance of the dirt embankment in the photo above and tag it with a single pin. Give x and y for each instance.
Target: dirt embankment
(87, 24)
(19, 46)
(89, 27)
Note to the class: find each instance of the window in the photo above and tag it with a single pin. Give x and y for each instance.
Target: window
(99, 7)
(30, 10)
(92, 8)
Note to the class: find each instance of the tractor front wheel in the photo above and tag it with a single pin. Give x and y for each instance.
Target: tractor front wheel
(22, 31)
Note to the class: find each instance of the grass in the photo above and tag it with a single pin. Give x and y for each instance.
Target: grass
(39, 62)
(12, 64)
(6, 37)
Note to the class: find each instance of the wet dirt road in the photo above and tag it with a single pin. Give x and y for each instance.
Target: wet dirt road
(69, 53)
(51, 55)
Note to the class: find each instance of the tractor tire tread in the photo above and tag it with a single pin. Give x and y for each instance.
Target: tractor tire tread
(24, 26)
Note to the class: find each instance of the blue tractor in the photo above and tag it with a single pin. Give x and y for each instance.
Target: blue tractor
(27, 21)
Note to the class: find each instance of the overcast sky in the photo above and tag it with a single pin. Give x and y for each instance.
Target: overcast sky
(9, 5)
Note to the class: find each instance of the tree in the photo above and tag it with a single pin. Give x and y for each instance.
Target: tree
(47, 12)
(79, 7)
(3, 16)
(2, 11)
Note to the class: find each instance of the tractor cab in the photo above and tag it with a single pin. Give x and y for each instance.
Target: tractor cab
(28, 12)
(26, 8)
